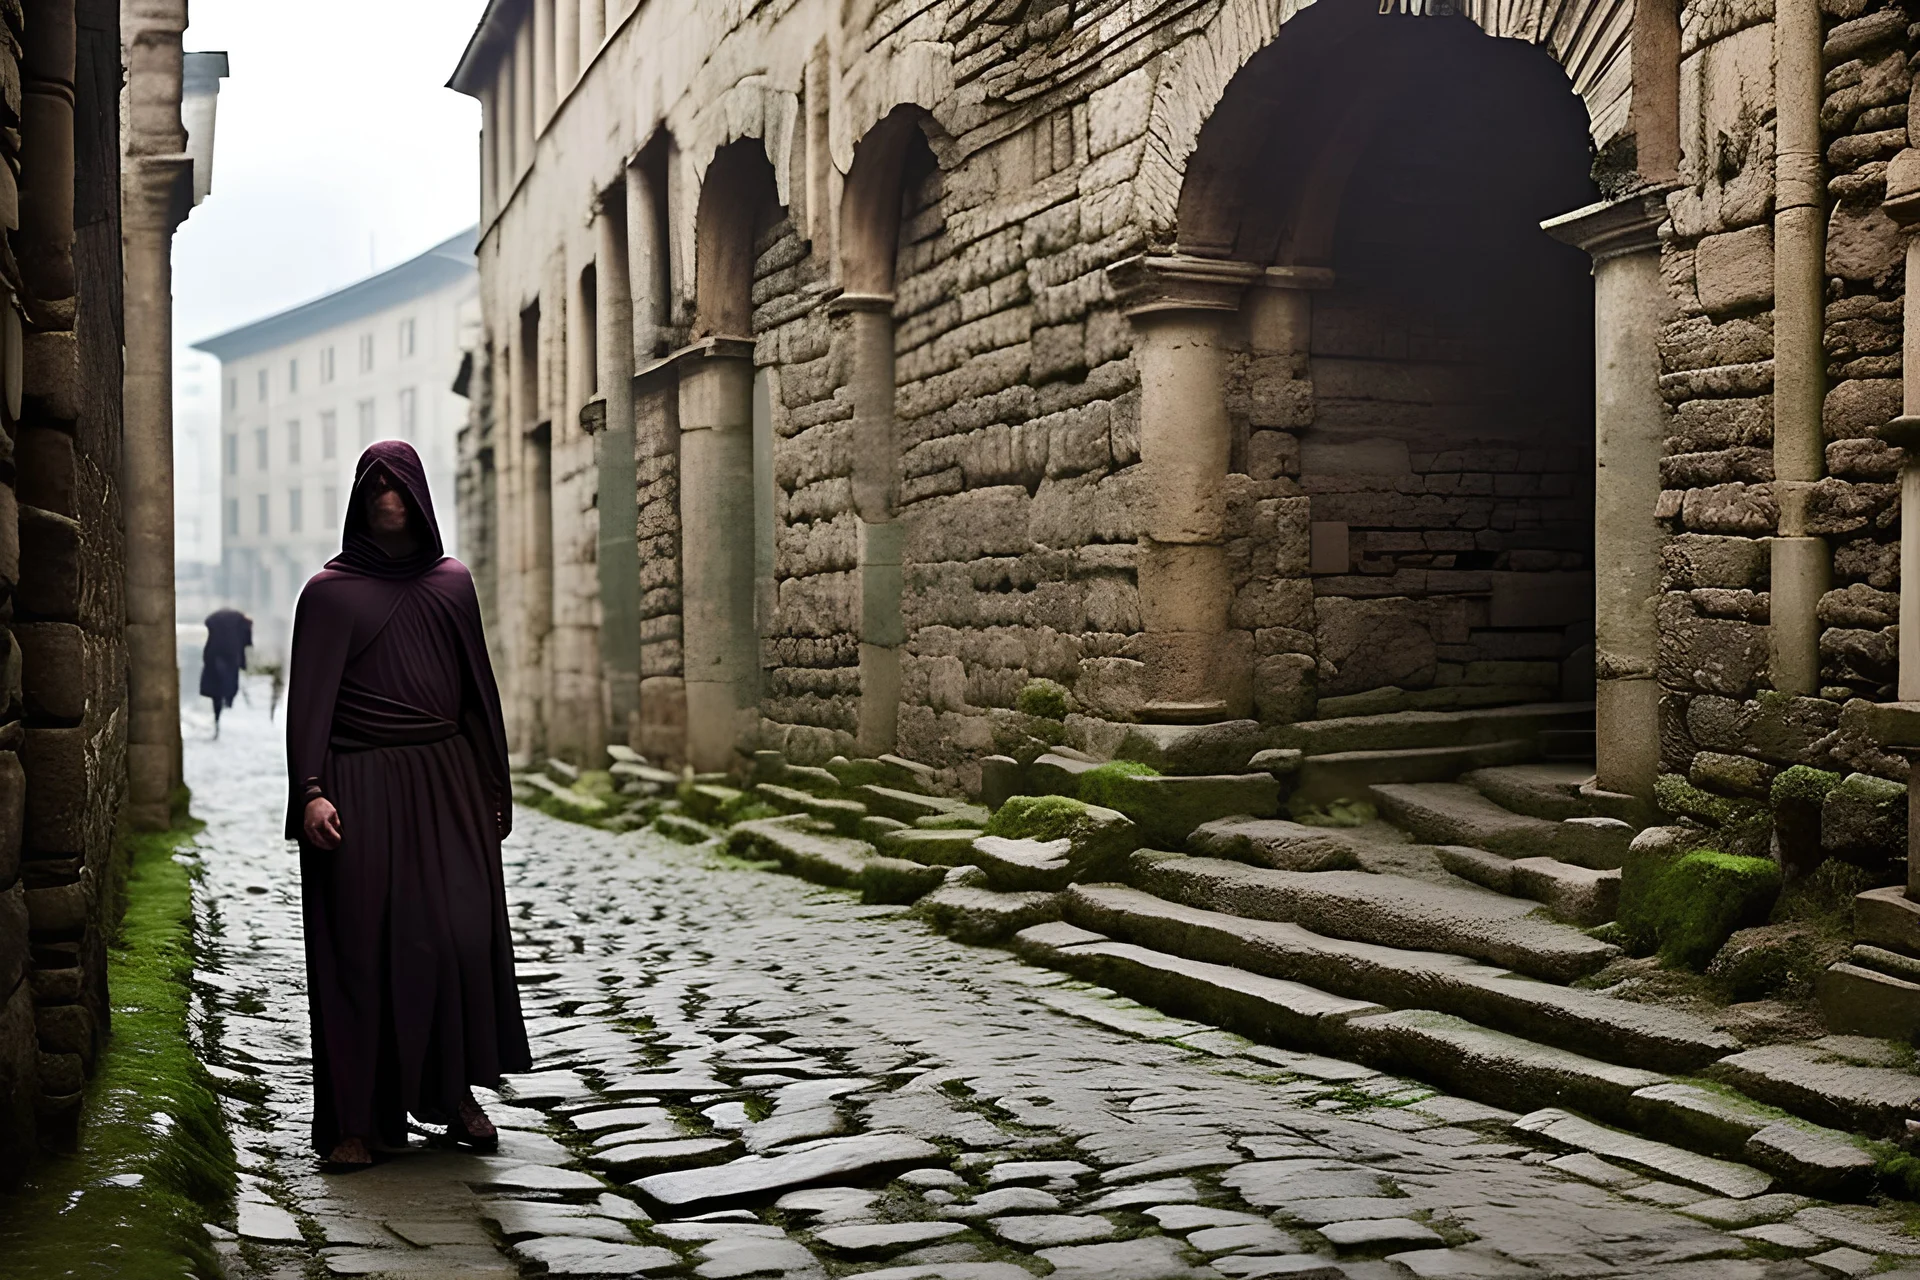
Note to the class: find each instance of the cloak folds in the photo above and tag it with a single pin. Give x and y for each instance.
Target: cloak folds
(394, 717)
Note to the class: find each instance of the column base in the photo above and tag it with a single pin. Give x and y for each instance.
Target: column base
(1626, 717)
(1196, 677)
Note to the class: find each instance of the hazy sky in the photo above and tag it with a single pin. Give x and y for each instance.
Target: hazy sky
(338, 151)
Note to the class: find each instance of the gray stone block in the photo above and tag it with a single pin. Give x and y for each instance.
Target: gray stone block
(1864, 820)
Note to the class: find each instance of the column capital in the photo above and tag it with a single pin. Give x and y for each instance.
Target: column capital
(1148, 283)
(1903, 188)
(1612, 228)
(157, 191)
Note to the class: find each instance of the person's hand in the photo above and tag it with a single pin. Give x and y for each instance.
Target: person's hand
(322, 823)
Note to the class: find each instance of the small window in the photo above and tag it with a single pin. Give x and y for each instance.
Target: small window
(293, 443)
(326, 364)
(407, 410)
(233, 455)
(260, 448)
(293, 374)
(366, 352)
(330, 502)
(262, 376)
(262, 500)
(293, 511)
(366, 423)
(329, 435)
(406, 337)
(233, 517)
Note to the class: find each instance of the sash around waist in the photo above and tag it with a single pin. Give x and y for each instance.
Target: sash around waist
(367, 722)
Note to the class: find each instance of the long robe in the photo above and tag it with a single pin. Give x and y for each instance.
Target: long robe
(394, 717)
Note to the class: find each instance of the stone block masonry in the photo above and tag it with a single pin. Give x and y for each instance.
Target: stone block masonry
(64, 714)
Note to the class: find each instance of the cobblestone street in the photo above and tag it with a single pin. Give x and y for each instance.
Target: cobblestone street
(739, 1074)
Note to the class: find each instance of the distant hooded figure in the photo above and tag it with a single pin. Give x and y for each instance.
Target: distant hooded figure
(397, 763)
(229, 636)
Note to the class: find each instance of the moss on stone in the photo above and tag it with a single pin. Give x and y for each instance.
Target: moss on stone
(154, 1160)
(1802, 785)
(1038, 818)
(1046, 699)
(1104, 786)
(1686, 908)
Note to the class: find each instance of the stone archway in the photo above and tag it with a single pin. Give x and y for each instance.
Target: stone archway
(1408, 360)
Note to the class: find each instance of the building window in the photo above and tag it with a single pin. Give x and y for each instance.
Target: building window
(366, 423)
(330, 502)
(233, 455)
(260, 448)
(262, 378)
(329, 435)
(326, 364)
(233, 517)
(233, 393)
(366, 352)
(293, 443)
(407, 408)
(293, 375)
(262, 500)
(293, 511)
(406, 337)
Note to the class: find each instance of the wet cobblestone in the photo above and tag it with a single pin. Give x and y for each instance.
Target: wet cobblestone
(738, 1074)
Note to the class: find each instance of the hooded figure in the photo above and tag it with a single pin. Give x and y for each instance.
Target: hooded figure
(229, 636)
(399, 797)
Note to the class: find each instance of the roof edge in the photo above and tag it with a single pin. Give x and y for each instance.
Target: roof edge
(496, 23)
(234, 343)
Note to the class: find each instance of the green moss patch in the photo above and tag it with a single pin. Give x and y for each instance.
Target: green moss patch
(1038, 818)
(1104, 786)
(1686, 908)
(154, 1160)
(1045, 699)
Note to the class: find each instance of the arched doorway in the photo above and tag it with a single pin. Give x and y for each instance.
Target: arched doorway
(1409, 363)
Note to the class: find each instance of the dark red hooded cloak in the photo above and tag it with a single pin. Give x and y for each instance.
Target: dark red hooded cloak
(393, 715)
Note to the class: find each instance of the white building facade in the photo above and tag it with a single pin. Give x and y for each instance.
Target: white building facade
(304, 391)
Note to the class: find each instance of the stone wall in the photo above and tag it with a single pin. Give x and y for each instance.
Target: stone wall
(1722, 723)
(63, 724)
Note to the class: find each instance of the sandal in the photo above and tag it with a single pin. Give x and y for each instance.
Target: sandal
(335, 1164)
(474, 1129)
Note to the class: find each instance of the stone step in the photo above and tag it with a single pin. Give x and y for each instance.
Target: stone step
(904, 806)
(842, 815)
(1278, 843)
(1615, 1030)
(1346, 775)
(1577, 895)
(1453, 813)
(947, 848)
(1568, 745)
(800, 848)
(1401, 730)
(1540, 789)
(1271, 1010)
(1472, 1061)
(965, 908)
(1832, 1081)
(1720, 1177)
(1386, 909)
(1167, 809)
(1807, 1157)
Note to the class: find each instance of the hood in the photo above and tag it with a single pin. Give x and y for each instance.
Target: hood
(358, 551)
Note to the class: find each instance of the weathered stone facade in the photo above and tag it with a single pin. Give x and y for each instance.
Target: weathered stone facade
(1188, 357)
(63, 743)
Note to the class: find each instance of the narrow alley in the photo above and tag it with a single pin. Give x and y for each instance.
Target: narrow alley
(740, 1074)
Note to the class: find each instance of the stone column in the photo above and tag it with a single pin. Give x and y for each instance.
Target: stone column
(156, 195)
(566, 46)
(618, 559)
(543, 62)
(593, 17)
(719, 638)
(1630, 428)
(876, 487)
(1179, 307)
